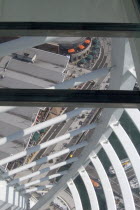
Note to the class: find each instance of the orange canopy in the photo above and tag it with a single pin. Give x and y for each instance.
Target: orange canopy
(81, 46)
(71, 50)
(87, 41)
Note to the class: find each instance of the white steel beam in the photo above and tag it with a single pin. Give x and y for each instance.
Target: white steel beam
(90, 189)
(22, 43)
(111, 205)
(44, 170)
(128, 147)
(44, 159)
(47, 144)
(24, 186)
(35, 189)
(135, 48)
(75, 195)
(96, 74)
(127, 82)
(134, 114)
(40, 126)
(121, 176)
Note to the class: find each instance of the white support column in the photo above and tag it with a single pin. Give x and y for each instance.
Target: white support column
(121, 176)
(42, 125)
(24, 186)
(135, 48)
(111, 205)
(96, 74)
(47, 144)
(75, 195)
(128, 147)
(134, 114)
(22, 43)
(90, 189)
(35, 189)
(44, 170)
(44, 159)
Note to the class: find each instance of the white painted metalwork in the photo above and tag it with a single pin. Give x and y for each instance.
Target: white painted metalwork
(96, 74)
(47, 144)
(128, 147)
(108, 116)
(42, 125)
(35, 189)
(90, 189)
(123, 76)
(111, 205)
(44, 159)
(75, 195)
(134, 114)
(41, 180)
(122, 179)
(44, 170)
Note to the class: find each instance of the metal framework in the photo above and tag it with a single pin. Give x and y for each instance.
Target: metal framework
(93, 137)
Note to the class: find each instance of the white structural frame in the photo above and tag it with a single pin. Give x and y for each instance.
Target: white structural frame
(44, 170)
(128, 147)
(37, 181)
(111, 205)
(75, 195)
(127, 81)
(35, 189)
(125, 53)
(47, 144)
(44, 159)
(90, 189)
(121, 176)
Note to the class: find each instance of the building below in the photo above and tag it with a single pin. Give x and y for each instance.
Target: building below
(33, 69)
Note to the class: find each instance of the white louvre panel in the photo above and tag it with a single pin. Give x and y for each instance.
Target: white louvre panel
(121, 176)
(128, 147)
(75, 195)
(134, 114)
(105, 182)
(90, 189)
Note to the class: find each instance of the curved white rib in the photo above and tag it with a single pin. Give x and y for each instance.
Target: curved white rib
(90, 189)
(122, 179)
(75, 195)
(134, 114)
(128, 147)
(105, 182)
